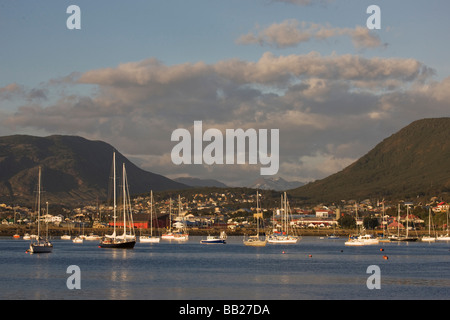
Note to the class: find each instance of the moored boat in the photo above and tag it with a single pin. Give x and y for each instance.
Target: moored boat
(40, 245)
(215, 239)
(150, 238)
(77, 240)
(126, 241)
(362, 240)
(256, 241)
(286, 234)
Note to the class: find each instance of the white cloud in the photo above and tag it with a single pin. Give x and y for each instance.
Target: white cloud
(291, 33)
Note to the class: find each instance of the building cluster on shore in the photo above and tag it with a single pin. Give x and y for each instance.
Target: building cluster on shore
(234, 211)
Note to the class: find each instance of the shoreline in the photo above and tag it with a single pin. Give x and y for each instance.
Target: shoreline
(10, 230)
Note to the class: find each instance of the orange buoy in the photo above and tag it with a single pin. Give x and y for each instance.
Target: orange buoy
(385, 257)
(310, 256)
(381, 249)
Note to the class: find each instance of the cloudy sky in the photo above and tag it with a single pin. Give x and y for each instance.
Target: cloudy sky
(138, 70)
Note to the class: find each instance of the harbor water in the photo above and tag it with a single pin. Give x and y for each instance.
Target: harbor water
(318, 269)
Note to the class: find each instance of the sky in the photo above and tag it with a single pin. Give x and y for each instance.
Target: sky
(138, 70)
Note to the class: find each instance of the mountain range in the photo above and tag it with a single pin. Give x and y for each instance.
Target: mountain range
(74, 170)
(277, 184)
(412, 163)
(196, 182)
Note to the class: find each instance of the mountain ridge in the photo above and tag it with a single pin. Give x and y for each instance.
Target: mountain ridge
(276, 184)
(197, 182)
(410, 163)
(74, 169)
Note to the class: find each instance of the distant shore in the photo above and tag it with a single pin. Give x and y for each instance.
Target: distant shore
(10, 230)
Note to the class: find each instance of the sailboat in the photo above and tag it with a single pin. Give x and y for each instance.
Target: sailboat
(125, 241)
(40, 245)
(283, 236)
(169, 234)
(151, 238)
(429, 237)
(384, 237)
(179, 234)
(78, 239)
(361, 239)
(444, 237)
(406, 237)
(255, 241)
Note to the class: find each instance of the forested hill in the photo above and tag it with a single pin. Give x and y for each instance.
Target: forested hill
(74, 170)
(411, 163)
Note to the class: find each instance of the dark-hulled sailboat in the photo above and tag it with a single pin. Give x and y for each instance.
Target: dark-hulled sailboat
(124, 241)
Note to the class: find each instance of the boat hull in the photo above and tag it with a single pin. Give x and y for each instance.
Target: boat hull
(258, 243)
(149, 239)
(40, 248)
(254, 241)
(175, 236)
(282, 240)
(213, 241)
(117, 244)
(365, 240)
(409, 239)
(354, 243)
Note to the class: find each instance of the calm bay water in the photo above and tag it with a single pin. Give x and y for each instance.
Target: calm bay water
(311, 269)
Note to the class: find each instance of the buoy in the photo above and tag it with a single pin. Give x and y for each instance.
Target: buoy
(381, 249)
(310, 256)
(385, 257)
(283, 252)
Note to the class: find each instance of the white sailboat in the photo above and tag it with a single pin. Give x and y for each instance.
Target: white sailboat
(78, 239)
(180, 234)
(361, 240)
(406, 237)
(124, 241)
(256, 241)
(285, 236)
(40, 245)
(444, 237)
(66, 237)
(151, 238)
(169, 234)
(429, 237)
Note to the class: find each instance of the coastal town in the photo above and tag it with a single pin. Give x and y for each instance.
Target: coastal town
(233, 211)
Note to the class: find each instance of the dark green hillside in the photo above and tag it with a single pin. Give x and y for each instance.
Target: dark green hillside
(412, 162)
(74, 170)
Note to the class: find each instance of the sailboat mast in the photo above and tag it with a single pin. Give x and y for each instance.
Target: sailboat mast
(39, 204)
(285, 213)
(151, 212)
(407, 219)
(170, 214)
(282, 211)
(257, 213)
(114, 183)
(124, 202)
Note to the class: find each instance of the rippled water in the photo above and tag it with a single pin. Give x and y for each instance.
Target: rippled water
(311, 269)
